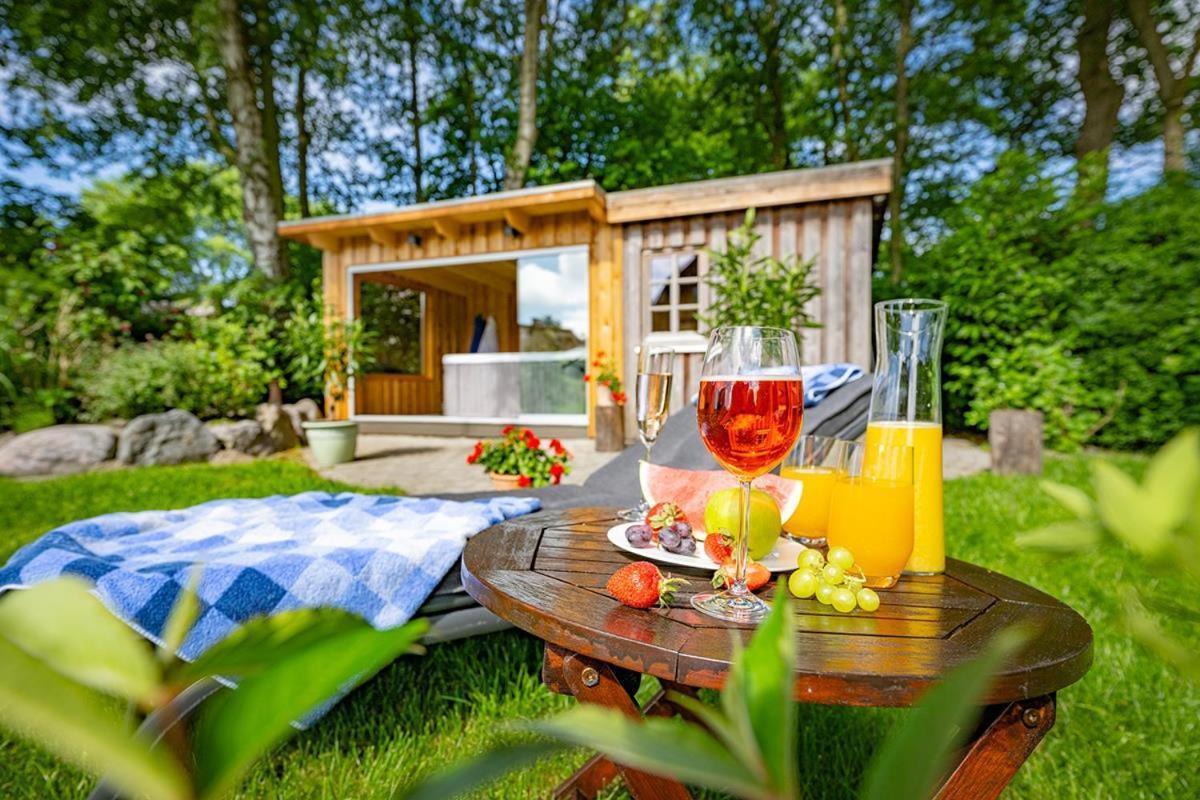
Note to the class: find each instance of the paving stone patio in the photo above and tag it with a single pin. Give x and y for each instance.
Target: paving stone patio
(431, 464)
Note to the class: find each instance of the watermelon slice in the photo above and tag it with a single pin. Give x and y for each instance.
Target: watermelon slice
(691, 488)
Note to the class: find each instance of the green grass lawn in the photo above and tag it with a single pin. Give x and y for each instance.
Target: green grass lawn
(1128, 730)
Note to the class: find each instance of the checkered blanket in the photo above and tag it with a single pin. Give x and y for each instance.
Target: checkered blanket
(376, 556)
(821, 379)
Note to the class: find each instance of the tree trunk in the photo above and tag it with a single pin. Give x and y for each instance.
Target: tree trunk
(414, 108)
(302, 139)
(1172, 88)
(259, 208)
(841, 30)
(769, 35)
(896, 199)
(522, 152)
(1102, 98)
(1174, 153)
(1102, 94)
(264, 38)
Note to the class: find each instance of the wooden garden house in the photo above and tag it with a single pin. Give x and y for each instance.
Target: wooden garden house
(488, 309)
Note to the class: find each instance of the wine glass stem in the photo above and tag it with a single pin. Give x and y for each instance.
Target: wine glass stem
(743, 547)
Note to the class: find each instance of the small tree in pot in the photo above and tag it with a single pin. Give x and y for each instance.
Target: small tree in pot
(346, 349)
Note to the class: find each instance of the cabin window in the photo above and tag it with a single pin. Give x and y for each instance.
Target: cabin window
(674, 291)
(396, 316)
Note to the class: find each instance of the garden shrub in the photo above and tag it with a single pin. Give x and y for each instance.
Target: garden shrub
(211, 382)
(1086, 313)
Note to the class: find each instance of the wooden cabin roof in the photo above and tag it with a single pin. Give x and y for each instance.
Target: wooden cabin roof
(516, 207)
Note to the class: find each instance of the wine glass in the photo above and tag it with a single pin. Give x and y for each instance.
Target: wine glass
(816, 462)
(750, 410)
(656, 366)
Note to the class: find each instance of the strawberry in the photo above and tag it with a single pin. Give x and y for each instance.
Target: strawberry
(663, 514)
(757, 576)
(719, 547)
(641, 585)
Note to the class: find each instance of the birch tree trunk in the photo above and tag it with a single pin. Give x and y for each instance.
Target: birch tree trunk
(899, 156)
(259, 204)
(1172, 88)
(1102, 94)
(522, 152)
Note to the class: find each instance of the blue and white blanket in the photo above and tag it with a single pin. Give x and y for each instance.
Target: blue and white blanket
(821, 379)
(376, 556)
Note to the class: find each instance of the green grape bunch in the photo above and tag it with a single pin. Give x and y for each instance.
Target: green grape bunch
(834, 579)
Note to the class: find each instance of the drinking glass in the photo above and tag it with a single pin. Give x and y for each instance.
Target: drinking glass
(656, 366)
(816, 462)
(871, 510)
(750, 409)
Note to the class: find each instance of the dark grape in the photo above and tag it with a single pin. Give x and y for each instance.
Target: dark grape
(669, 538)
(685, 546)
(681, 529)
(640, 535)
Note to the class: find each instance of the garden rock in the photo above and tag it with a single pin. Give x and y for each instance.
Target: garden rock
(230, 457)
(302, 411)
(57, 450)
(171, 438)
(243, 436)
(277, 426)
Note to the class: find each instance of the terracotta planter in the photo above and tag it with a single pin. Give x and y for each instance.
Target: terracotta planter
(505, 483)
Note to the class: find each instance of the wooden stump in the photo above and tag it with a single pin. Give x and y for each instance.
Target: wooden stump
(610, 429)
(1016, 440)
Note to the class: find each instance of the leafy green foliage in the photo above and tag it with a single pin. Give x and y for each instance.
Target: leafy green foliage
(210, 382)
(1157, 520)
(1078, 311)
(67, 659)
(752, 289)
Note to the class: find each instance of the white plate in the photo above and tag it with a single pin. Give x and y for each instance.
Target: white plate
(782, 558)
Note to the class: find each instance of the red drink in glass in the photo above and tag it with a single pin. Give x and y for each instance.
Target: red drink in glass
(750, 424)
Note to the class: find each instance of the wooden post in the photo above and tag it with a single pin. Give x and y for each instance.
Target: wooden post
(610, 429)
(1016, 440)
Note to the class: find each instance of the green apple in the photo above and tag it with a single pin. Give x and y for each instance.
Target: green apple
(722, 514)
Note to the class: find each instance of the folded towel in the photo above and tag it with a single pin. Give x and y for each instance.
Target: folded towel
(376, 556)
(821, 379)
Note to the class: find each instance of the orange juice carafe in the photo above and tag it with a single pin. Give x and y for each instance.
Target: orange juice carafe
(906, 410)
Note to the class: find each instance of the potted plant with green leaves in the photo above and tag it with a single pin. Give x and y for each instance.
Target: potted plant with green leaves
(346, 348)
(517, 460)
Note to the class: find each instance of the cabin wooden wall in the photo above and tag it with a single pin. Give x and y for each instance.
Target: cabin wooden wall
(837, 235)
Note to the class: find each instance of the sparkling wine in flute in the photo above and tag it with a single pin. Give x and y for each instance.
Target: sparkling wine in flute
(653, 404)
(750, 424)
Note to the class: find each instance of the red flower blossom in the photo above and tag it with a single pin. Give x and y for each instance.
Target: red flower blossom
(619, 398)
(524, 480)
(557, 446)
(556, 472)
(476, 453)
(532, 441)
(509, 429)
(587, 378)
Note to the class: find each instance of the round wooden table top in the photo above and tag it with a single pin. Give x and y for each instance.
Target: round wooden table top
(545, 573)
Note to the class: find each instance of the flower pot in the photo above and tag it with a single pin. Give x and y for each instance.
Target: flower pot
(505, 483)
(604, 396)
(331, 441)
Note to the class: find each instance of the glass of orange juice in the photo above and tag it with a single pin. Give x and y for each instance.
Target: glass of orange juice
(815, 461)
(871, 510)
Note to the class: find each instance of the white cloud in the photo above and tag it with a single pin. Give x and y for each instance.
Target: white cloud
(556, 287)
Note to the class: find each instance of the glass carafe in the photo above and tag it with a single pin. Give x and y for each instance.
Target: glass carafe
(906, 411)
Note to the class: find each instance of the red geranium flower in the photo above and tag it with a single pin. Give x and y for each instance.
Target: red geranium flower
(619, 398)
(524, 480)
(556, 472)
(557, 446)
(509, 429)
(587, 378)
(532, 441)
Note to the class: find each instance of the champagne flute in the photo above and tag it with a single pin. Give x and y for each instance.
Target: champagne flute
(656, 366)
(750, 410)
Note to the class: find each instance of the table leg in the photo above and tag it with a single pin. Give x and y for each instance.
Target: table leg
(1006, 736)
(592, 681)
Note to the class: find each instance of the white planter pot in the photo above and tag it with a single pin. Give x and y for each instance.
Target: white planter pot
(331, 441)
